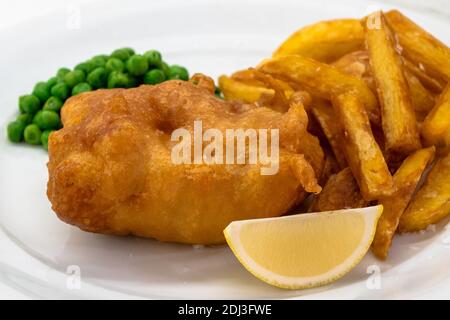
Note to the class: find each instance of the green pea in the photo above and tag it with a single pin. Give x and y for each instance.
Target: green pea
(114, 64)
(60, 90)
(103, 56)
(129, 50)
(154, 76)
(62, 72)
(15, 131)
(32, 134)
(154, 58)
(178, 72)
(44, 138)
(137, 65)
(29, 104)
(42, 91)
(52, 81)
(80, 88)
(133, 81)
(165, 67)
(98, 61)
(53, 104)
(46, 119)
(25, 118)
(98, 78)
(86, 67)
(122, 54)
(118, 80)
(218, 93)
(74, 77)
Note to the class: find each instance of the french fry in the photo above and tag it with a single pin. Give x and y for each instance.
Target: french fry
(436, 126)
(423, 101)
(361, 150)
(431, 204)
(324, 114)
(235, 90)
(256, 78)
(406, 179)
(421, 47)
(321, 80)
(434, 85)
(357, 64)
(340, 192)
(279, 101)
(330, 166)
(397, 113)
(324, 41)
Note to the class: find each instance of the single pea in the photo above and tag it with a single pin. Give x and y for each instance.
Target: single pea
(52, 81)
(29, 104)
(60, 90)
(114, 64)
(21, 98)
(103, 56)
(154, 58)
(86, 67)
(44, 138)
(137, 65)
(74, 77)
(32, 134)
(122, 54)
(165, 67)
(178, 72)
(53, 104)
(98, 78)
(42, 91)
(118, 80)
(133, 81)
(154, 76)
(25, 119)
(46, 119)
(129, 50)
(62, 72)
(15, 131)
(80, 88)
(98, 61)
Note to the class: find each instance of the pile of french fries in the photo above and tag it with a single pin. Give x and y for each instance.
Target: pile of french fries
(377, 94)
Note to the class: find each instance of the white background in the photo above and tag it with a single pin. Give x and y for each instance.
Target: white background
(20, 10)
(13, 13)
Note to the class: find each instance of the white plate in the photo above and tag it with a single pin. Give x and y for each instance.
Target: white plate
(40, 255)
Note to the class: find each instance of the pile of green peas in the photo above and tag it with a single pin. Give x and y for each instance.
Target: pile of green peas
(123, 68)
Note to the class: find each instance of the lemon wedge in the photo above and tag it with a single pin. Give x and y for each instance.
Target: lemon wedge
(304, 250)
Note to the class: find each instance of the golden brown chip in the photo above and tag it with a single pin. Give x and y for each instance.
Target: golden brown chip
(405, 182)
(423, 101)
(434, 85)
(397, 113)
(431, 204)
(357, 64)
(321, 80)
(235, 90)
(324, 114)
(361, 150)
(324, 41)
(436, 127)
(421, 47)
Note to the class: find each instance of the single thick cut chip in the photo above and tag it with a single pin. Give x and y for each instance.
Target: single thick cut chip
(304, 250)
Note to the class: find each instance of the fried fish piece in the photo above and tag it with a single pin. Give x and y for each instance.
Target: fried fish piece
(110, 168)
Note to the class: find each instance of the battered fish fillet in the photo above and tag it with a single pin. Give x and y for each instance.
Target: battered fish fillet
(110, 168)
